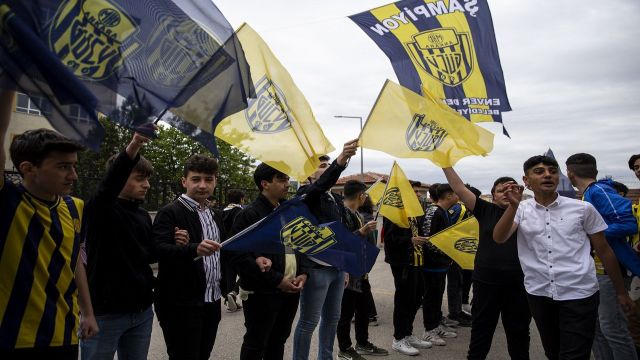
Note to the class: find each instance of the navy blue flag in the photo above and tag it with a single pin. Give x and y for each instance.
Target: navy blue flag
(155, 56)
(564, 186)
(449, 47)
(292, 225)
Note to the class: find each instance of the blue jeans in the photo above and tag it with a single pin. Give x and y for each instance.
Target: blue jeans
(612, 340)
(321, 299)
(128, 334)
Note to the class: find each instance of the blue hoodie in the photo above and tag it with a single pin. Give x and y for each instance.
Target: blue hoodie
(616, 212)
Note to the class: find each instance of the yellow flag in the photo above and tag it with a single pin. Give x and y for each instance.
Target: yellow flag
(278, 126)
(406, 125)
(376, 191)
(400, 202)
(459, 242)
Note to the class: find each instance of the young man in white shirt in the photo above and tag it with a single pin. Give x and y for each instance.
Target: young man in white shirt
(555, 238)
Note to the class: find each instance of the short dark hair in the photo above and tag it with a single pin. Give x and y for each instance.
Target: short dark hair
(539, 159)
(443, 189)
(143, 166)
(582, 165)
(501, 180)
(201, 164)
(353, 188)
(235, 196)
(324, 158)
(632, 160)
(415, 183)
(433, 192)
(267, 173)
(620, 187)
(474, 190)
(35, 146)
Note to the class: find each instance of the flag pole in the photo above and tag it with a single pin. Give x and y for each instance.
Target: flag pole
(386, 185)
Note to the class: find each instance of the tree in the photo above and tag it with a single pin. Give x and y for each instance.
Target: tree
(167, 153)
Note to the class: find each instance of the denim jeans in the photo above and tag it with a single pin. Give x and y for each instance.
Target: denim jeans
(321, 299)
(128, 334)
(612, 340)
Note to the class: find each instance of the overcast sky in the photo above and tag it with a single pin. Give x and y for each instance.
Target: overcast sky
(571, 72)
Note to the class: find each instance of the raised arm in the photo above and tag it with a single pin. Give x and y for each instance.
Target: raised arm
(6, 104)
(465, 195)
(506, 226)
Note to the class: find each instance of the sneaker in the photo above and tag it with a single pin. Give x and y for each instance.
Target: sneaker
(453, 328)
(403, 347)
(370, 349)
(440, 330)
(433, 337)
(350, 354)
(418, 343)
(448, 322)
(373, 321)
(463, 319)
(230, 302)
(449, 329)
(466, 308)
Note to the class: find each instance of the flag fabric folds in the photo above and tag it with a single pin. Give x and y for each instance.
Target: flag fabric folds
(376, 191)
(292, 225)
(406, 125)
(400, 202)
(449, 47)
(459, 242)
(151, 56)
(278, 127)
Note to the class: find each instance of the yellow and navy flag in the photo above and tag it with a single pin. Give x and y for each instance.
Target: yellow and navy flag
(400, 202)
(292, 225)
(131, 60)
(449, 47)
(376, 191)
(406, 125)
(459, 242)
(278, 126)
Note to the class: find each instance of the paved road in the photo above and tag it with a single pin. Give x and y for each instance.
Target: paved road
(231, 331)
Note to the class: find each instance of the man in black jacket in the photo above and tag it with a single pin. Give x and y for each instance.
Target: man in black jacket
(270, 284)
(119, 250)
(188, 234)
(323, 296)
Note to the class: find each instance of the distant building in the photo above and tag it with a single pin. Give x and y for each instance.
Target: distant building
(27, 115)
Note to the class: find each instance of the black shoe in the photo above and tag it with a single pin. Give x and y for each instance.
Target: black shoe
(463, 320)
(350, 354)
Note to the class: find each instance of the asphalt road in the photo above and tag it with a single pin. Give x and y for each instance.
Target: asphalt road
(231, 330)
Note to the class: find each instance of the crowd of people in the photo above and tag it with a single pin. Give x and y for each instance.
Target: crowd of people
(76, 276)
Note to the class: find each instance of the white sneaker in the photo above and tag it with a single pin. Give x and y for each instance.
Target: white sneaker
(433, 337)
(442, 331)
(418, 343)
(466, 308)
(448, 328)
(403, 347)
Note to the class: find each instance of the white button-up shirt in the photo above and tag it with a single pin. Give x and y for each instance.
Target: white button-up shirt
(554, 249)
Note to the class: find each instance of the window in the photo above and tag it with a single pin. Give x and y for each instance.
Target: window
(79, 115)
(34, 106)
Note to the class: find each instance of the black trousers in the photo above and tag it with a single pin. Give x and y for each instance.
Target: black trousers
(490, 301)
(68, 352)
(566, 328)
(434, 285)
(454, 290)
(267, 319)
(354, 304)
(189, 331)
(405, 299)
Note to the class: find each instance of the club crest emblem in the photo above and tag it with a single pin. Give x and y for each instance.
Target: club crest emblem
(444, 54)
(393, 198)
(92, 38)
(268, 112)
(301, 235)
(179, 49)
(467, 245)
(424, 135)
